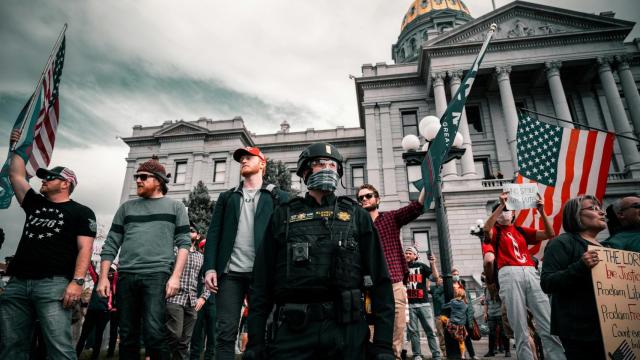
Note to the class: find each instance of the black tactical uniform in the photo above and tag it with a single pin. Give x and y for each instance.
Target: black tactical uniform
(313, 265)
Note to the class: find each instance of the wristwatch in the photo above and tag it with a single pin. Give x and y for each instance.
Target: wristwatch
(79, 281)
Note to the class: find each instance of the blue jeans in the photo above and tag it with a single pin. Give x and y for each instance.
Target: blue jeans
(205, 329)
(423, 315)
(141, 303)
(23, 301)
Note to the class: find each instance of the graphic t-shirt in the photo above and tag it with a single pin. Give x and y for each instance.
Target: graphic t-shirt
(49, 246)
(514, 250)
(417, 290)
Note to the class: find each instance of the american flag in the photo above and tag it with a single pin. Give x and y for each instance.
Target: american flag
(38, 121)
(623, 352)
(564, 163)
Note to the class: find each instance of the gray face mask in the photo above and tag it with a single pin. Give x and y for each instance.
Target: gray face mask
(325, 180)
(455, 277)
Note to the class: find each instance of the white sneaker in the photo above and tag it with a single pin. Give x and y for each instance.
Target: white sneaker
(418, 357)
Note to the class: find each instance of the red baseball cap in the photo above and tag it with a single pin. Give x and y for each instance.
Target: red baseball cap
(202, 243)
(254, 151)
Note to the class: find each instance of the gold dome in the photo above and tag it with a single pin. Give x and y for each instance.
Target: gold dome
(421, 7)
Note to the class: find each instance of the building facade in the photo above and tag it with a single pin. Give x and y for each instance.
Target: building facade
(567, 64)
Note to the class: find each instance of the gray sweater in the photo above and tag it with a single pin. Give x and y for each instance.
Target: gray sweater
(146, 232)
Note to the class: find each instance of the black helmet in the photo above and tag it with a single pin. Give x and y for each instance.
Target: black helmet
(317, 150)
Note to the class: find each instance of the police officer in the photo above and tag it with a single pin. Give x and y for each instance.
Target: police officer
(320, 255)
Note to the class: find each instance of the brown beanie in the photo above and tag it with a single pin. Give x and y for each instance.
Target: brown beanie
(153, 166)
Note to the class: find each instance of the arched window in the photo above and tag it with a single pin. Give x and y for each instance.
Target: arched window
(412, 46)
(425, 36)
(401, 54)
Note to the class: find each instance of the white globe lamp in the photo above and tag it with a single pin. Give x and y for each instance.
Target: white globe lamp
(426, 122)
(410, 143)
(432, 131)
(457, 141)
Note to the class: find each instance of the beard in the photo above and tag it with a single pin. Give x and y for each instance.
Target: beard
(249, 170)
(370, 207)
(144, 191)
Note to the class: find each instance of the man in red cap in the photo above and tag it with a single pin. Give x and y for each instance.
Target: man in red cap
(48, 270)
(145, 231)
(236, 231)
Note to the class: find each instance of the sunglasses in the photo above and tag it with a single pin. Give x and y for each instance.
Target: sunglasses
(632, 206)
(54, 177)
(142, 177)
(592, 208)
(324, 163)
(367, 196)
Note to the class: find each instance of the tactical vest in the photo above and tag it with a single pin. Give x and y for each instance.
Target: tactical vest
(321, 249)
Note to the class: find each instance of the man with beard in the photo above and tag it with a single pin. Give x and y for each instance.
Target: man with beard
(388, 225)
(319, 254)
(236, 231)
(146, 230)
(48, 270)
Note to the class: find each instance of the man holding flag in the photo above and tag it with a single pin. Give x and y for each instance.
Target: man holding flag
(48, 270)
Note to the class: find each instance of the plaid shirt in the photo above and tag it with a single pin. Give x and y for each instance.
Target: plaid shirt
(388, 224)
(188, 293)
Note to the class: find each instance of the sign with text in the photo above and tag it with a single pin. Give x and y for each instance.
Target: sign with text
(616, 283)
(521, 196)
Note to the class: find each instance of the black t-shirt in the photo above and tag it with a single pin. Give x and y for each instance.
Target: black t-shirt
(49, 246)
(417, 290)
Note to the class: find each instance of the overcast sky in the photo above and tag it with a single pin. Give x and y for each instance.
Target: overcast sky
(145, 62)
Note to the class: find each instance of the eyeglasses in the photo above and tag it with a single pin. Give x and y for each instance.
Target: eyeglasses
(632, 206)
(324, 163)
(142, 177)
(592, 208)
(54, 177)
(368, 196)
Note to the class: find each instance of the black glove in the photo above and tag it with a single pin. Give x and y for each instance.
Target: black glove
(379, 352)
(258, 352)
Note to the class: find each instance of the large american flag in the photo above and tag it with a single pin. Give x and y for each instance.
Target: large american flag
(564, 163)
(38, 121)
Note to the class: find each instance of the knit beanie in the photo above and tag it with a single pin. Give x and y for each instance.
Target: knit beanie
(153, 166)
(412, 249)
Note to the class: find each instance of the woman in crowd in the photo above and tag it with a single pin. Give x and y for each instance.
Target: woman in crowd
(566, 276)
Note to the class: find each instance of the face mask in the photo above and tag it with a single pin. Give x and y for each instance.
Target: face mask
(325, 180)
(505, 218)
(455, 277)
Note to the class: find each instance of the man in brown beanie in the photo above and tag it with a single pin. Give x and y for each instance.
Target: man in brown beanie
(146, 230)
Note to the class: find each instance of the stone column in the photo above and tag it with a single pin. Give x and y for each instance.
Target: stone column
(630, 92)
(198, 168)
(508, 110)
(630, 153)
(448, 169)
(557, 92)
(468, 167)
(388, 164)
(128, 183)
(373, 167)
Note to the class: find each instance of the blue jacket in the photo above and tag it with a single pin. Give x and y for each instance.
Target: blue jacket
(223, 228)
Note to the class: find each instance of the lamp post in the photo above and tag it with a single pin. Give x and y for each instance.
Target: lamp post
(429, 127)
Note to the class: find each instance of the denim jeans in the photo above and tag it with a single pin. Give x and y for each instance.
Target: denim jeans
(141, 303)
(180, 322)
(423, 315)
(233, 288)
(23, 301)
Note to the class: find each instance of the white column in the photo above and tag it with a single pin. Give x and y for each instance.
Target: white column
(557, 92)
(388, 164)
(630, 92)
(373, 167)
(448, 169)
(468, 167)
(127, 185)
(630, 153)
(508, 110)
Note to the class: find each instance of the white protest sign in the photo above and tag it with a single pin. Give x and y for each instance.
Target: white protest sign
(521, 196)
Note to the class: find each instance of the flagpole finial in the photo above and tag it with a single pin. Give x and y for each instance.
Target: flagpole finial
(493, 27)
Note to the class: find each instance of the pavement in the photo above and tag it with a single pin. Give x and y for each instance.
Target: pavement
(481, 347)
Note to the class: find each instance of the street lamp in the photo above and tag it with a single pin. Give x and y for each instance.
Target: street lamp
(429, 127)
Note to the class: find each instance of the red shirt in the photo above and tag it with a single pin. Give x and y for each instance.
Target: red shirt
(514, 249)
(388, 224)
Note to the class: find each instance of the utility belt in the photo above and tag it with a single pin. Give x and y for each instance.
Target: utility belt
(348, 309)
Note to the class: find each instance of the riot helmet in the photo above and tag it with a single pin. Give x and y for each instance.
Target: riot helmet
(318, 150)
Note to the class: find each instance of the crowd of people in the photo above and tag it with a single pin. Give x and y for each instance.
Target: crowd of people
(317, 276)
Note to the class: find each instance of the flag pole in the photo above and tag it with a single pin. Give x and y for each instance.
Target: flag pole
(39, 82)
(578, 124)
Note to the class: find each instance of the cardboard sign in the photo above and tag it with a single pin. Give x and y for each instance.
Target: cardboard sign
(616, 283)
(521, 196)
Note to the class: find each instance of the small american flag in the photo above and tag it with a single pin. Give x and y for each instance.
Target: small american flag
(38, 121)
(564, 163)
(623, 352)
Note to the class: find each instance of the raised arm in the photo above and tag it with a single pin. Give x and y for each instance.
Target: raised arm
(17, 170)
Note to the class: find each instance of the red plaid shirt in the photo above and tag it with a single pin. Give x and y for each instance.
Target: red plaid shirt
(388, 224)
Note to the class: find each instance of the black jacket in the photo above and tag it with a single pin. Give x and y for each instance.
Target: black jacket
(567, 279)
(224, 224)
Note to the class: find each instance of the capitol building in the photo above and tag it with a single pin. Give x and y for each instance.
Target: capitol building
(568, 64)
